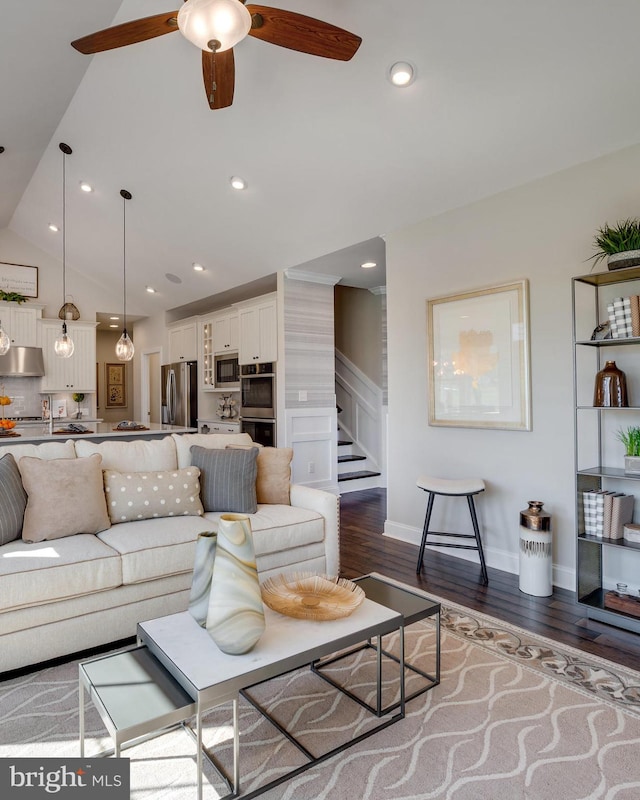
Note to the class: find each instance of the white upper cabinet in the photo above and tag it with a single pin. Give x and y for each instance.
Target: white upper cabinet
(183, 341)
(258, 330)
(225, 332)
(77, 373)
(20, 322)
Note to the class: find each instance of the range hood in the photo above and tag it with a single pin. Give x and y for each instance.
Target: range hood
(25, 362)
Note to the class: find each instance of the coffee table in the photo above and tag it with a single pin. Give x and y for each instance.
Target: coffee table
(413, 607)
(175, 652)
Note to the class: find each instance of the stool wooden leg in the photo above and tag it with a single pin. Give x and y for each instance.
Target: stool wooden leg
(425, 531)
(476, 530)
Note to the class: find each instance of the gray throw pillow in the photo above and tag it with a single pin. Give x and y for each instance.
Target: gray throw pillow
(227, 479)
(13, 500)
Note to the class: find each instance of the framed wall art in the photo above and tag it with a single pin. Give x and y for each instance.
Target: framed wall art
(116, 387)
(479, 358)
(18, 279)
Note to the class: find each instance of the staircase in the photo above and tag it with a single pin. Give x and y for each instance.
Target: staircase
(353, 472)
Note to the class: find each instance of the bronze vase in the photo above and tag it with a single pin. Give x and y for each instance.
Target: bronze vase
(611, 387)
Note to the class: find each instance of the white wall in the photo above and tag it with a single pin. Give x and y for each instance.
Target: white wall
(543, 232)
(87, 296)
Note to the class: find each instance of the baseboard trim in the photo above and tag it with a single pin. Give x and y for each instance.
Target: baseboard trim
(563, 577)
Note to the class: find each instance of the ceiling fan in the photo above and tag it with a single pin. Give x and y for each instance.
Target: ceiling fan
(215, 26)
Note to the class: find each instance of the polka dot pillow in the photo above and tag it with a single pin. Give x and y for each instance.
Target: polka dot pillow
(144, 495)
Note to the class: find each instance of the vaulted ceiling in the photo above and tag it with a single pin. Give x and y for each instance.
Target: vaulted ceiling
(333, 154)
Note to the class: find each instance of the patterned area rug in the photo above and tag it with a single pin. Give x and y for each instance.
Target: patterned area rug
(515, 717)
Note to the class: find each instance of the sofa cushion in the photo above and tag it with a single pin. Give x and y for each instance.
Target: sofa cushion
(139, 455)
(33, 574)
(155, 548)
(278, 527)
(144, 495)
(215, 441)
(46, 450)
(65, 496)
(227, 478)
(273, 480)
(13, 499)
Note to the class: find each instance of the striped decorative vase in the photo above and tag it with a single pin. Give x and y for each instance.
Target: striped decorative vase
(202, 572)
(235, 619)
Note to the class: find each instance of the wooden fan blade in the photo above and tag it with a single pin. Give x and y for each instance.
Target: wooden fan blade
(219, 73)
(297, 32)
(138, 30)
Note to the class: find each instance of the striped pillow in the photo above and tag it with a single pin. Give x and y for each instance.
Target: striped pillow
(227, 479)
(13, 500)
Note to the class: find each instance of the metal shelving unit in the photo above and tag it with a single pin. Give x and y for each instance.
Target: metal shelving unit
(595, 470)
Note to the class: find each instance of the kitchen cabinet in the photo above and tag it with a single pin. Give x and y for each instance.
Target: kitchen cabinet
(77, 373)
(20, 322)
(183, 341)
(225, 332)
(218, 426)
(258, 330)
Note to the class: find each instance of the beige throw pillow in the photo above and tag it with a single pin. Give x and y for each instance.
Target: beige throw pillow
(144, 495)
(273, 481)
(65, 496)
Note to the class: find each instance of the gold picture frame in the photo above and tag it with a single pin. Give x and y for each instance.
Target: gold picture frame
(479, 374)
(116, 386)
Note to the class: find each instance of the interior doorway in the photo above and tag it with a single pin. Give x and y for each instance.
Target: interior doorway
(150, 387)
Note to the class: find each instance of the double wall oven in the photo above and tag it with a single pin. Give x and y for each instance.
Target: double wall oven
(258, 402)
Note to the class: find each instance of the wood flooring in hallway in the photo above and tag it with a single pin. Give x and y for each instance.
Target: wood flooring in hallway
(364, 549)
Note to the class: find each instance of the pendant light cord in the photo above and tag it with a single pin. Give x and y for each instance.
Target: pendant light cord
(126, 195)
(66, 151)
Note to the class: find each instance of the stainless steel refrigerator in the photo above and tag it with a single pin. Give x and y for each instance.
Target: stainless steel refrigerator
(180, 394)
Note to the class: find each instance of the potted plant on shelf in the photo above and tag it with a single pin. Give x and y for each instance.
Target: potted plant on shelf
(630, 438)
(12, 297)
(78, 397)
(619, 244)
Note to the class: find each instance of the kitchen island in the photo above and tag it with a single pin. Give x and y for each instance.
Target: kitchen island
(100, 432)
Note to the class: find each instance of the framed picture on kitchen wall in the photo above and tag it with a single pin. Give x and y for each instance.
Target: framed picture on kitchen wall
(116, 386)
(18, 279)
(479, 358)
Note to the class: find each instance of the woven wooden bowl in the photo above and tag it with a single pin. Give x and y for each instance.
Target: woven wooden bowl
(309, 596)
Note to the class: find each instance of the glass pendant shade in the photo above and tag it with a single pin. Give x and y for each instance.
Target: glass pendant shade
(63, 345)
(223, 21)
(124, 347)
(5, 341)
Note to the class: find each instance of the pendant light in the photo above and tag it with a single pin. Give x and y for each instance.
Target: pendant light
(124, 345)
(63, 345)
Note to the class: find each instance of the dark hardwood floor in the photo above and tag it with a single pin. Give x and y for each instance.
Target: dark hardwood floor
(364, 549)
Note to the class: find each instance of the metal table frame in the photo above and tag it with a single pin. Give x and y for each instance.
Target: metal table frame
(378, 589)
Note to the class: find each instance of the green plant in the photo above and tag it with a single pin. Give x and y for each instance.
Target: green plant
(623, 236)
(78, 397)
(12, 297)
(630, 438)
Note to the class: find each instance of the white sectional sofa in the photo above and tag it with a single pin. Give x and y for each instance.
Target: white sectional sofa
(73, 592)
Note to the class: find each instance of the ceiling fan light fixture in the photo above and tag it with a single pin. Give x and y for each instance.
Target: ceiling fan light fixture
(224, 21)
(402, 73)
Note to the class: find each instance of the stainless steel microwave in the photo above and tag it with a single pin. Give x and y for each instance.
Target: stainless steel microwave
(227, 370)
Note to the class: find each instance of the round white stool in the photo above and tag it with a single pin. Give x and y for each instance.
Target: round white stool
(462, 487)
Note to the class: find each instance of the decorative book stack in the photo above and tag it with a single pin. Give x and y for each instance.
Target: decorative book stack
(624, 316)
(606, 513)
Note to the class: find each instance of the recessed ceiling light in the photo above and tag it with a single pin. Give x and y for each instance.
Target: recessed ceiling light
(368, 265)
(113, 326)
(238, 183)
(402, 73)
(53, 227)
(86, 187)
(197, 267)
(173, 278)
(151, 290)
(114, 317)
